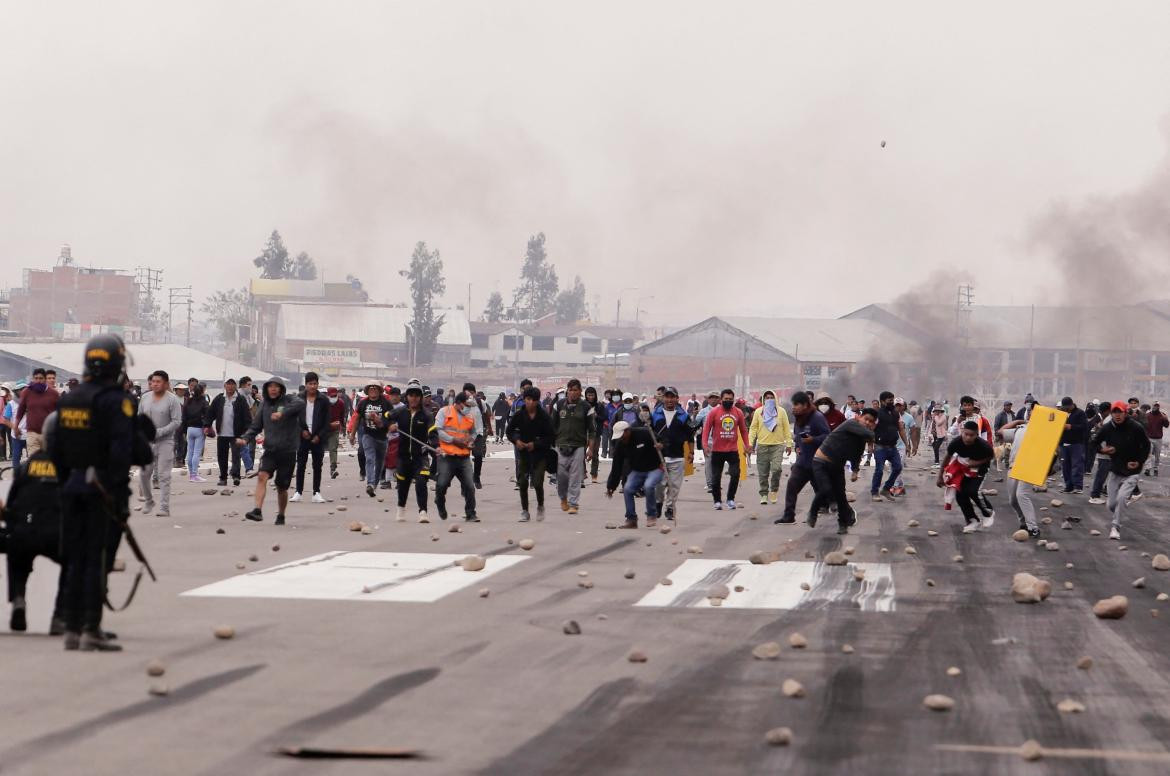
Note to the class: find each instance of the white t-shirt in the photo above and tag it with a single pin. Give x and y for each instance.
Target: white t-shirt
(309, 413)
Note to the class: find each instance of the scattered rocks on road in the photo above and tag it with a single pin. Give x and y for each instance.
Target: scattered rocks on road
(954, 671)
(1068, 586)
(792, 688)
(276, 548)
(241, 566)
(718, 591)
(1069, 706)
(911, 551)
(456, 528)
(1139, 583)
(220, 531)
(957, 559)
(629, 574)
(769, 650)
(1113, 608)
(1052, 547)
(805, 586)
(637, 656)
(1085, 663)
(849, 550)
(209, 491)
(1031, 750)
(835, 558)
(847, 649)
(342, 508)
(155, 668)
(611, 526)
(780, 736)
(932, 533)
(253, 558)
(159, 689)
(694, 549)
(587, 584)
(473, 563)
(1020, 535)
(224, 631)
(666, 581)
(938, 702)
(930, 583)
(1094, 532)
(484, 592)
(527, 544)
(739, 588)
(571, 628)
(797, 641)
(1162, 597)
(355, 525)
(1027, 589)
(859, 574)
(434, 537)
(912, 524)
(1160, 562)
(664, 529)
(1056, 503)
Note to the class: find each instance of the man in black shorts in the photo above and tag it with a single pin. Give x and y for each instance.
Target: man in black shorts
(279, 416)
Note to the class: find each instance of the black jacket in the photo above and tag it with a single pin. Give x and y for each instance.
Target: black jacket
(421, 426)
(846, 443)
(196, 413)
(241, 414)
(638, 453)
(672, 437)
(538, 429)
(1080, 424)
(320, 416)
(1131, 444)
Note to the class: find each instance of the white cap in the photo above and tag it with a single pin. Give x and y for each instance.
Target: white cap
(627, 396)
(619, 428)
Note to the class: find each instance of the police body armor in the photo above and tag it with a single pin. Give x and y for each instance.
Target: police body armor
(80, 430)
(34, 515)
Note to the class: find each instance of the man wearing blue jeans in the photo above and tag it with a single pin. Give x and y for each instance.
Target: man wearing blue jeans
(888, 431)
(374, 413)
(635, 447)
(1072, 446)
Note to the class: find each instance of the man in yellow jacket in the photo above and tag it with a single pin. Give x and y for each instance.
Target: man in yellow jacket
(770, 436)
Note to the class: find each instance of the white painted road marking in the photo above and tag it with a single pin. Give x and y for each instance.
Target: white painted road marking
(776, 585)
(420, 577)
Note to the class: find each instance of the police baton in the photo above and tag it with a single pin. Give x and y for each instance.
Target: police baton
(91, 478)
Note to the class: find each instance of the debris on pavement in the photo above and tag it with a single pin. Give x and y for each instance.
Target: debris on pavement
(1160, 562)
(835, 558)
(571, 628)
(938, 702)
(769, 650)
(527, 544)
(1027, 589)
(780, 736)
(1069, 706)
(1085, 663)
(155, 668)
(792, 688)
(224, 631)
(1031, 750)
(1113, 608)
(637, 656)
(797, 641)
(473, 563)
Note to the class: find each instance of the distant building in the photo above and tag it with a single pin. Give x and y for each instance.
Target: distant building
(358, 338)
(18, 359)
(71, 302)
(268, 294)
(545, 343)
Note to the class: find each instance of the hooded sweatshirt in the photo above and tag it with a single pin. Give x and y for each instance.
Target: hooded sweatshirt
(760, 434)
(817, 427)
(283, 435)
(834, 417)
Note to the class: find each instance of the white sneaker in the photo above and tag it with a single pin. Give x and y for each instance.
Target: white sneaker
(730, 504)
(718, 505)
(763, 499)
(971, 527)
(296, 497)
(1096, 500)
(989, 520)
(400, 515)
(1114, 533)
(318, 498)
(422, 516)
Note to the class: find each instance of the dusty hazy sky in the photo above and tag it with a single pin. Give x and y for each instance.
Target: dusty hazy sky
(725, 158)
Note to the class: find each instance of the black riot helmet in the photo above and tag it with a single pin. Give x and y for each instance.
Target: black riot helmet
(105, 356)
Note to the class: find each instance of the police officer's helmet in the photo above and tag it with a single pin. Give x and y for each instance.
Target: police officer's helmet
(105, 356)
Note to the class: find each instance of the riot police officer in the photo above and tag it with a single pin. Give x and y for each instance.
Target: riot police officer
(92, 452)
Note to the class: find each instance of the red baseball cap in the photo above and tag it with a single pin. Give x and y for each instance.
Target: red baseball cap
(1120, 406)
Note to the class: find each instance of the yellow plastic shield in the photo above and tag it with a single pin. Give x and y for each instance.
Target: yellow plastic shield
(1034, 459)
(689, 466)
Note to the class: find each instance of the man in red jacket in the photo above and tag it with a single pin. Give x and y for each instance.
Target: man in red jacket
(723, 429)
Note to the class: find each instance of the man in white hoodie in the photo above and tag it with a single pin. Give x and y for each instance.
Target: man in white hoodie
(166, 413)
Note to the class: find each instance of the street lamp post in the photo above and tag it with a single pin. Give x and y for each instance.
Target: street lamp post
(638, 309)
(619, 303)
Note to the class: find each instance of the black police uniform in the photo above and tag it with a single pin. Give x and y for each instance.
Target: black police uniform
(33, 519)
(95, 428)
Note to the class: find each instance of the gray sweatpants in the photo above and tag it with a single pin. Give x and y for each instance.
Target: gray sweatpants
(164, 459)
(1155, 454)
(570, 472)
(666, 494)
(1120, 488)
(1020, 495)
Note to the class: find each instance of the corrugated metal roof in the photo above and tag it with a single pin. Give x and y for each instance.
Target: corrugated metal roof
(828, 339)
(361, 323)
(287, 287)
(179, 361)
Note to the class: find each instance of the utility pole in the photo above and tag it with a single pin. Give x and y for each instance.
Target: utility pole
(179, 297)
(148, 281)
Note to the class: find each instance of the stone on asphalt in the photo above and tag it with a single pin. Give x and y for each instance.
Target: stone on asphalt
(859, 574)
(473, 563)
(664, 529)
(930, 583)
(342, 508)
(1066, 526)
(355, 525)
(224, 631)
(1028, 589)
(718, 591)
(835, 558)
(849, 550)
(792, 688)
(954, 671)
(1113, 608)
(253, 558)
(911, 551)
(434, 537)
(780, 736)
(241, 566)
(761, 557)
(276, 548)
(847, 649)
(611, 526)
(571, 628)
(1020, 535)
(1094, 532)
(884, 551)
(932, 533)
(159, 688)
(805, 586)
(739, 588)
(637, 656)
(694, 549)
(1031, 750)
(155, 668)
(1160, 562)
(666, 581)
(1056, 503)
(1162, 597)
(585, 583)
(1139, 583)
(1068, 565)
(1069, 706)
(220, 531)
(484, 592)
(912, 524)
(456, 528)
(1046, 520)
(209, 491)
(582, 573)
(629, 574)
(366, 530)
(527, 544)
(1052, 546)
(1085, 663)
(797, 641)
(769, 650)
(938, 702)
(957, 559)
(1068, 586)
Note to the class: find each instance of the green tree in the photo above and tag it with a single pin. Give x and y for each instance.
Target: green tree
(570, 303)
(494, 312)
(304, 268)
(426, 282)
(226, 309)
(537, 293)
(273, 261)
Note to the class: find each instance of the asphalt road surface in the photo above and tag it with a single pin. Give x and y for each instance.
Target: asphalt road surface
(493, 685)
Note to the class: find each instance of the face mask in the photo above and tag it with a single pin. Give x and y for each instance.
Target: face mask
(823, 408)
(727, 403)
(770, 404)
(627, 404)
